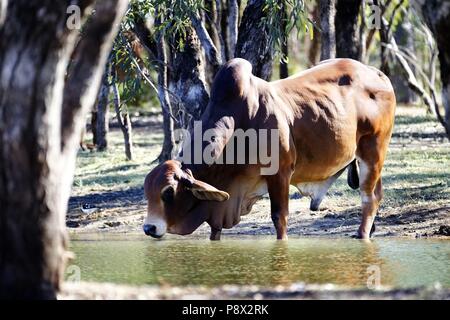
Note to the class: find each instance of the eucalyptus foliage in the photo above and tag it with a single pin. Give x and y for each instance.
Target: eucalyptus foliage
(282, 17)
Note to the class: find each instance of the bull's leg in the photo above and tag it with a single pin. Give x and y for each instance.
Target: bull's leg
(215, 234)
(370, 205)
(370, 160)
(379, 195)
(278, 187)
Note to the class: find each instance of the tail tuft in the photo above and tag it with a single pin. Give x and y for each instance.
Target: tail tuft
(352, 175)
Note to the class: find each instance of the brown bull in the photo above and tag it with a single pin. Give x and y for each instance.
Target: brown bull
(328, 118)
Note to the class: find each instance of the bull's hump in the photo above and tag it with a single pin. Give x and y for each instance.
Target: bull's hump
(232, 80)
(241, 64)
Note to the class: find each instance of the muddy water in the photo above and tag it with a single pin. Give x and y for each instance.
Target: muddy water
(400, 263)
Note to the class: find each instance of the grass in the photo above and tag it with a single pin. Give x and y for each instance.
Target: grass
(109, 170)
(416, 171)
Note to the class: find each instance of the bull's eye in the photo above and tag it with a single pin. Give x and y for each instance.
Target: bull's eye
(168, 194)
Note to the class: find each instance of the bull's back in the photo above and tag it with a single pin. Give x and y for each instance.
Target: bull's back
(334, 104)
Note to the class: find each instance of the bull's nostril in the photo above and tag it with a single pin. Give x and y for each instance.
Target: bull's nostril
(149, 229)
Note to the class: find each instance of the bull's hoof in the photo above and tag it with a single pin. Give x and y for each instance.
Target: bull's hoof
(359, 235)
(215, 234)
(314, 205)
(372, 230)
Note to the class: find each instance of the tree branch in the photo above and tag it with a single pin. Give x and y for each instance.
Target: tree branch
(391, 19)
(210, 49)
(232, 24)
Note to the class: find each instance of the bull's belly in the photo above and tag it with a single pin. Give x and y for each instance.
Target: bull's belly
(317, 189)
(321, 158)
(313, 173)
(312, 179)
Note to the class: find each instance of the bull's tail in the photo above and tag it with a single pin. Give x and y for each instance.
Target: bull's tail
(352, 175)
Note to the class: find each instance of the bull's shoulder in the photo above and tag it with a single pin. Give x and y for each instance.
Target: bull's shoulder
(232, 80)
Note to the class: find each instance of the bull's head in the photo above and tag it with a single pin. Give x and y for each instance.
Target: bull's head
(177, 202)
(173, 195)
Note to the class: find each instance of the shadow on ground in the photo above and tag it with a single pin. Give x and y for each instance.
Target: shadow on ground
(110, 199)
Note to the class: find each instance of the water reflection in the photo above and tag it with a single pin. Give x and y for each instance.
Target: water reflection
(263, 261)
(280, 263)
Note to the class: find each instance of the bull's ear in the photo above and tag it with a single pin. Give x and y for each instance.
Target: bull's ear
(186, 179)
(168, 194)
(204, 191)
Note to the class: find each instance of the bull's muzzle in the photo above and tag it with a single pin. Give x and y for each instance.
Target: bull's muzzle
(150, 230)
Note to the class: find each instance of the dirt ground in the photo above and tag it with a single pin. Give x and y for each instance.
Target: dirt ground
(416, 186)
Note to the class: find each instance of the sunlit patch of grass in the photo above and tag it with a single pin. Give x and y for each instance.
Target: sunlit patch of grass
(110, 171)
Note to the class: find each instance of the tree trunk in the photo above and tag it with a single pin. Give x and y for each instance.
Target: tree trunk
(211, 16)
(284, 67)
(189, 96)
(218, 26)
(284, 70)
(232, 27)
(315, 42)
(211, 52)
(163, 95)
(253, 40)
(384, 52)
(94, 124)
(314, 50)
(327, 36)
(40, 125)
(102, 119)
(404, 37)
(213, 24)
(436, 14)
(346, 28)
(362, 33)
(123, 118)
